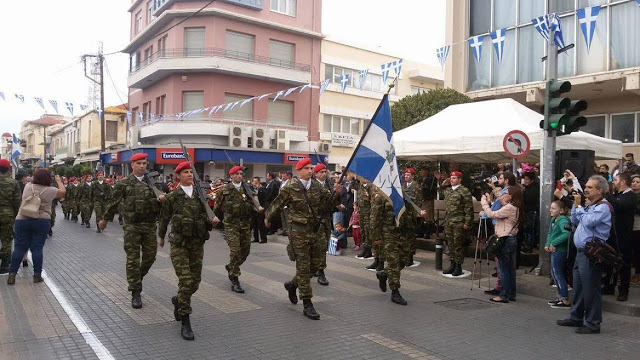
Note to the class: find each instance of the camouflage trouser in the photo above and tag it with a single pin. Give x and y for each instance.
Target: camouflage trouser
(54, 205)
(309, 254)
(239, 241)
(454, 235)
(323, 237)
(98, 207)
(87, 210)
(6, 234)
(140, 237)
(75, 210)
(408, 234)
(65, 207)
(396, 252)
(364, 231)
(187, 262)
(378, 248)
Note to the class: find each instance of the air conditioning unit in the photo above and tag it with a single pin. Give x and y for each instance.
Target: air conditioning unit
(283, 145)
(260, 138)
(325, 147)
(238, 137)
(281, 135)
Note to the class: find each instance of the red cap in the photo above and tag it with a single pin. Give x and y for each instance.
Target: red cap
(235, 169)
(302, 163)
(456, 173)
(183, 165)
(139, 156)
(99, 173)
(109, 180)
(412, 171)
(319, 167)
(5, 163)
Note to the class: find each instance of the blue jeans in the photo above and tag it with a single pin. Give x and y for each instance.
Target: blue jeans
(558, 268)
(29, 234)
(507, 266)
(587, 294)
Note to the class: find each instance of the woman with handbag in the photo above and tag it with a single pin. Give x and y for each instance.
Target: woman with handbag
(506, 229)
(34, 221)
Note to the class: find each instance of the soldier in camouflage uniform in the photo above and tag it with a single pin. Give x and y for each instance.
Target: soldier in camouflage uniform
(100, 194)
(321, 172)
(409, 222)
(85, 198)
(72, 197)
(374, 238)
(189, 230)
(304, 226)
(140, 210)
(396, 247)
(459, 218)
(364, 206)
(235, 200)
(10, 199)
(66, 209)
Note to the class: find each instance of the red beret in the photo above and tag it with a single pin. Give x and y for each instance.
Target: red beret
(302, 163)
(109, 180)
(412, 171)
(100, 173)
(183, 165)
(72, 179)
(5, 163)
(139, 156)
(319, 167)
(456, 173)
(235, 169)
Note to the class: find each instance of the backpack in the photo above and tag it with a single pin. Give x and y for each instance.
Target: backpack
(30, 207)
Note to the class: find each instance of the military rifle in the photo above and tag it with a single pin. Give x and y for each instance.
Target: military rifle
(252, 194)
(149, 178)
(198, 186)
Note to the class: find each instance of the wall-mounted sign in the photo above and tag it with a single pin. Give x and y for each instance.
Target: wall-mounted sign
(114, 157)
(344, 140)
(172, 155)
(293, 158)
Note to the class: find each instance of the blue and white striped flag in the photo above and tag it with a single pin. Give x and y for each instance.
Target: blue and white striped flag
(128, 116)
(498, 37)
(83, 107)
(324, 85)
(385, 72)
(397, 67)
(290, 91)
(587, 18)
(246, 101)
(442, 54)
(362, 76)
(152, 117)
(476, 44)
(40, 102)
(99, 111)
(280, 93)
(308, 86)
(233, 105)
(19, 97)
(140, 117)
(344, 81)
(556, 27)
(17, 150)
(54, 105)
(542, 26)
(69, 107)
(374, 160)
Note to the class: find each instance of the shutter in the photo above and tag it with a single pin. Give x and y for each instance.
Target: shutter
(282, 54)
(239, 45)
(280, 112)
(192, 100)
(194, 41)
(241, 113)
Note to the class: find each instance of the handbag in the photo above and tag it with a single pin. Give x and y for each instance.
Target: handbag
(495, 243)
(603, 255)
(30, 206)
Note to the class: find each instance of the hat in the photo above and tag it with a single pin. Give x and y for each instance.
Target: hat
(109, 180)
(99, 173)
(412, 171)
(183, 165)
(139, 156)
(5, 163)
(456, 173)
(302, 163)
(235, 169)
(319, 168)
(73, 179)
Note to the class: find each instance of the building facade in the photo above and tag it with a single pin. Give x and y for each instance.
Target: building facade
(33, 134)
(6, 143)
(607, 76)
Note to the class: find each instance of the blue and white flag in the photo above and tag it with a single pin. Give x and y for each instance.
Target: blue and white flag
(152, 117)
(246, 101)
(280, 93)
(556, 27)
(308, 86)
(2, 96)
(99, 110)
(128, 116)
(362, 76)
(83, 107)
(141, 116)
(40, 102)
(17, 150)
(19, 97)
(587, 18)
(442, 54)
(344, 81)
(374, 160)
(385, 72)
(290, 91)
(542, 26)
(476, 44)
(233, 105)
(324, 85)
(69, 107)
(54, 105)
(498, 37)
(397, 67)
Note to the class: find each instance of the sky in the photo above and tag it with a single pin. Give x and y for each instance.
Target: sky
(43, 42)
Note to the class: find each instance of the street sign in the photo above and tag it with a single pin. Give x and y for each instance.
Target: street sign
(516, 144)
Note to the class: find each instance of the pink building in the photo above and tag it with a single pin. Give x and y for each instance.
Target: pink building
(183, 59)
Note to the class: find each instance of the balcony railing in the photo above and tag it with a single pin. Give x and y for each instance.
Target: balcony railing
(219, 53)
(220, 120)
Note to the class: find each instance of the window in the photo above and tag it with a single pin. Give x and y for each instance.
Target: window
(280, 112)
(623, 127)
(565, 60)
(192, 100)
(281, 53)
(146, 110)
(419, 90)
(148, 54)
(373, 82)
(134, 115)
(161, 104)
(530, 50)
(504, 14)
(162, 45)
(342, 124)
(243, 113)
(138, 22)
(504, 73)
(480, 16)
(239, 46)
(194, 41)
(625, 37)
(595, 125)
(111, 130)
(529, 10)
(149, 11)
(556, 6)
(284, 6)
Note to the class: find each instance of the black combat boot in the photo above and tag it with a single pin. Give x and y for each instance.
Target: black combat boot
(136, 300)
(322, 280)
(186, 331)
(397, 298)
(410, 260)
(235, 286)
(87, 224)
(4, 267)
(373, 265)
(176, 315)
(291, 289)
(457, 271)
(382, 280)
(309, 311)
(74, 219)
(450, 269)
(365, 253)
(380, 266)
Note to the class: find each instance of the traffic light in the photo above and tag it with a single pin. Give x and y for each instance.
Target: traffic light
(574, 120)
(555, 105)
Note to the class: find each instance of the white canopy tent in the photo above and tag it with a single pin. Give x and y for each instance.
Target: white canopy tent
(474, 132)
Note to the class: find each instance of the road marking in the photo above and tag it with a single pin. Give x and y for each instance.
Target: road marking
(399, 347)
(369, 275)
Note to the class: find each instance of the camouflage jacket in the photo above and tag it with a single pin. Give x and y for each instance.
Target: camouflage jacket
(459, 205)
(237, 206)
(382, 218)
(139, 203)
(364, 201)
(100, 192)
(292, 196)
(10, 197)
(189, 222)
(70, 196)
(413, 192)
(83, 194)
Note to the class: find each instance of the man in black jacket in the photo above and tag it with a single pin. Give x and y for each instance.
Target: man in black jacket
(257, 220)
(429, 191)
(531, 197)
(271, 192)
(624, 203)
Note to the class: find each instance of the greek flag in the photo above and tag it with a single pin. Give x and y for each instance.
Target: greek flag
(374, 160)
(290, 91)
(19, 97)
(69, 107)
(476, 44)
(542, 26)
(324, 85)
(385, 72)
(556, 27)
(17, 150)
(442, 54)
(99, 110)
(2, 94)
(280, 93)
(83, 107)
(141, 116)
(233, 105)
(54, 105)
(362, 76)
(40, 102)
(344, 81)
(497, 37)
(245, 102)
(128, 116)
(308, 86)
(397, 67)
(587, 18)
(152, 117)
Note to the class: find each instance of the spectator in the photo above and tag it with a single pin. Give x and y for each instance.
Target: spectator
(31, 233)
(531, 195)
(508, 220)
(603, 171)
(207, 179)
(271, 192)
(624, 202)
(340, 233)
(593, 222)
(635, 239)
(630, 166)
(557, 241)
(429, 185)
(284, 215)
(346, 199)
(257, 220)
(354, 223)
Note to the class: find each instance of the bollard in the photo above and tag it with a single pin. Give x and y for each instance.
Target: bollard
(439, 254)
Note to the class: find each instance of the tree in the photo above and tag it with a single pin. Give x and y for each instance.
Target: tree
(415, 108)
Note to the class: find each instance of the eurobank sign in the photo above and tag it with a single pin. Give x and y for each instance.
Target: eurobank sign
(172, 155)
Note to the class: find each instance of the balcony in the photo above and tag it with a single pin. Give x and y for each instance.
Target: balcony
(166, 62)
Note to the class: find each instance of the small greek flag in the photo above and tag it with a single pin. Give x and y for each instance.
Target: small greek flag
(556, 27)
(542, 26)
(40, 102)
(344, 81)
(476, 44)
(362, 75)
(397, 67)
(305, 88)
(385, 72)
(498, 37)
(245, 102)
(83, 107)
(99, 110)
(69, 107)
(152, 117)
(233, 105)
(442, 54)
(263, 96)
(280, 93)
(20, 97)
(141, 116)
(587, 18)
(324, 85)
(227, 107)
(54, 105)
(290, 91)
(332, 248)
(128, 116)
(17, 150)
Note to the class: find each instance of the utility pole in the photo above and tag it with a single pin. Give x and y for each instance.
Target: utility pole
(100, 82)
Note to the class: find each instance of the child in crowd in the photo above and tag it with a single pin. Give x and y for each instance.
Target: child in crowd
(557, 245)
(340, 233)
(355, 226)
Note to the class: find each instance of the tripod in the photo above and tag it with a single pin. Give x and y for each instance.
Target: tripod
(478, 253)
